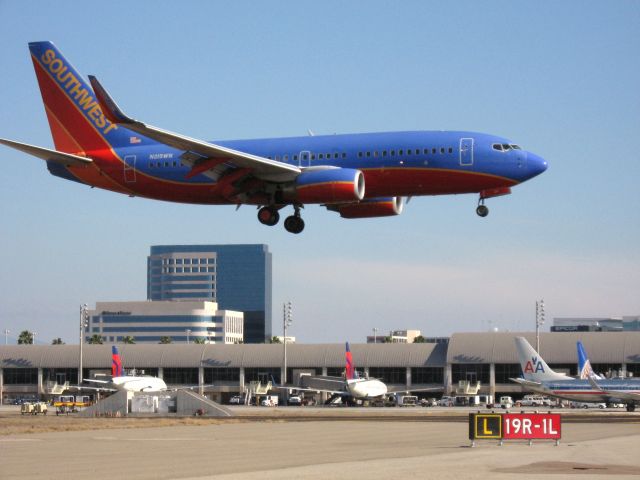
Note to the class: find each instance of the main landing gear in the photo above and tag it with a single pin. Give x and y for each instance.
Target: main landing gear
(482, 210)
(269, 216)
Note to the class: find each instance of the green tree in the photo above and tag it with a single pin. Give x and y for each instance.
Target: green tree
(419, 339)
(95, 339)
(275, 339)
(165, 340)
(25, 338)
(199, 340)
(57, 341)
(388, 339)
(129, 339)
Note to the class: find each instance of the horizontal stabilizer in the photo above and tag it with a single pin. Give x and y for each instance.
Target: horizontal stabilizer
(66, 159)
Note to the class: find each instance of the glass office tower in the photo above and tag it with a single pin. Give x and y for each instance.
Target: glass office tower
(238, 277)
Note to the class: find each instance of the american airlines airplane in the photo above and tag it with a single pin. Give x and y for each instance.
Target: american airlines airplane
(356, 175)
(539, 377)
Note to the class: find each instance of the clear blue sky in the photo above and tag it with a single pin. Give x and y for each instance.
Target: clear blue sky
(562, 79)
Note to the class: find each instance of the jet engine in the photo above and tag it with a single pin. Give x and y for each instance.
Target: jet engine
(372, 207)
(327, 185)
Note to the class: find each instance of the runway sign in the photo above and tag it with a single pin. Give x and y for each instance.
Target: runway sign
(515, 426)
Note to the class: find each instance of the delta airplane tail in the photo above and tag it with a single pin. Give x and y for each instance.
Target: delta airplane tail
(534, 368)
(584, 365)
(349, 367)
(76, 120)
(116, 363)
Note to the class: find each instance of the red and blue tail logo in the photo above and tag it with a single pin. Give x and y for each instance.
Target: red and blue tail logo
(116, 363)
(350, 369)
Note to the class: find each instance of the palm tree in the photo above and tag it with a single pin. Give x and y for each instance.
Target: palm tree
(165, 340)
(57, 341)
(25, 338)
(129, 339)
(419, 339)
(95, 339)
(199, 340)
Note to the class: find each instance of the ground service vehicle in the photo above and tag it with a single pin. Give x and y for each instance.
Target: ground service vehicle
(506, 402)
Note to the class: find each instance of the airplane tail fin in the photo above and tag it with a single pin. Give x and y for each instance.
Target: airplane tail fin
(76, 120)
(584, 365)
(533, 366)
(349, 368)
(116, 363)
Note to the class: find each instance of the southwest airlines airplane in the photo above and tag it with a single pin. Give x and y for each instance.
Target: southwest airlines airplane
(356, 175)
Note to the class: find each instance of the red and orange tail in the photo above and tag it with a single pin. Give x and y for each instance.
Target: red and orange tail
(116, 363)
(75, 117)
(349, 368)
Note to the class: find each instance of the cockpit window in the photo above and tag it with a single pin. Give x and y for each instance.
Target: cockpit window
(497, 146)
(515, 147)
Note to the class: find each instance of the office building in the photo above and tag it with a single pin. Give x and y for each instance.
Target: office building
(597, 324)
(149, 322)
(237, 277)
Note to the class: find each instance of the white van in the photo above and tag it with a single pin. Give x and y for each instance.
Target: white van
(506, 402)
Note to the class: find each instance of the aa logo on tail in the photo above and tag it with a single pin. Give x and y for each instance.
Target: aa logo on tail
(534, 366)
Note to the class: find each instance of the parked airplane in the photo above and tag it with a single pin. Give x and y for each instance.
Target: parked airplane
(356, 175)
(538, 377)
(120, 381)
(353, 387)
(584, 365)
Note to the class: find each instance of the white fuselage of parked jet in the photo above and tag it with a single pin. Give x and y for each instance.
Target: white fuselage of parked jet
(365, 388)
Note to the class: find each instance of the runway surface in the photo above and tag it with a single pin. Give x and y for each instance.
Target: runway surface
(308, 448)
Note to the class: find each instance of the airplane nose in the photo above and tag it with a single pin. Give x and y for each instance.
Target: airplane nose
(536, 164)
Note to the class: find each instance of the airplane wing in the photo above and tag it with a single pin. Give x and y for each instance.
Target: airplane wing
(526, 383)
(308, 389)
(93, 389)
(410, 390)
(208, 156)
(66, 159)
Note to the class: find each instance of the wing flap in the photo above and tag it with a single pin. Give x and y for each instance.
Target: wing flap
(65, 159)
(262, 168)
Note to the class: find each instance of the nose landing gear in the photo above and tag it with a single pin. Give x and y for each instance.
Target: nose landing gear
(482, 209)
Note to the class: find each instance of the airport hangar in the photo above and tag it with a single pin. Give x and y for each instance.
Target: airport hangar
(222, 370)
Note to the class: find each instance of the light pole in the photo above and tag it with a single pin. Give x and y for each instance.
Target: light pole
(33, 337)
(539, 322)
(375, 335)
(84, 323)
(6, 335)
(188, 333)
(286, 322)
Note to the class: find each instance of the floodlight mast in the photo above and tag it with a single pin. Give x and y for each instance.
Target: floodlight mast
(287, 320)
(539, 321)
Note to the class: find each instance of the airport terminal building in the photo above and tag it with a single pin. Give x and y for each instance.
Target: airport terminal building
(490, 358)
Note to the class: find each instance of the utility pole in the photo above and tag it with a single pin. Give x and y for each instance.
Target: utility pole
(539, 322)
(188, 333)
(33, 337)
(375, 335)
(84, 323)
(6, 336)
(287, 319)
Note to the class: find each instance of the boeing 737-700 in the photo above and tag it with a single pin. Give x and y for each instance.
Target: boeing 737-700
(355, 175)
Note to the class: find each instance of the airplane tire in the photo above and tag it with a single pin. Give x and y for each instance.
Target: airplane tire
(482, 211)
(268, 216)
(294, 224)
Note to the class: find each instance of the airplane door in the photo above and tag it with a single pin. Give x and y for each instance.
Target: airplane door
(130, 168)
(304, 159)
(466, 151)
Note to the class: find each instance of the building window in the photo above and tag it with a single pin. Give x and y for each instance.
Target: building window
(262, 374)
(472, 372)
(180, 376)
(216, 375)
(187, 261)
(211, 260)
(393, 375)
(20, 376)
(505, 371)
(424, 375)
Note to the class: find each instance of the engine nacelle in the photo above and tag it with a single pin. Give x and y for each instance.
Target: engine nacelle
(372, 207)
(330, 185)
